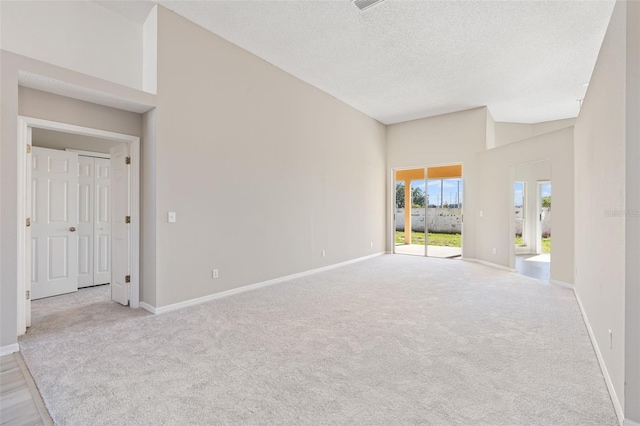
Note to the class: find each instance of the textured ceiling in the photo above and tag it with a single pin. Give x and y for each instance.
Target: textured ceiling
(401, 60)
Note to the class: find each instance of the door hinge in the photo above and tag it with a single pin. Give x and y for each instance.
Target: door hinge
(127, 160)
(127, 219)
(28, 149)
(127, 278)
(28, 294)
(28, 221)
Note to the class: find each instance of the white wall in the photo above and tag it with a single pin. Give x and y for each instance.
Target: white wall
(632, 223)
(445, 139)
(235, 135)
(78, 35)
(600, 187)
(495, 229)
(506, 133)
(150, 52)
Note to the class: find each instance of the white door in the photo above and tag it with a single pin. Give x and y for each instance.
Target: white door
(54, 245)
(102, 252)
(86, 172)
(120, 212)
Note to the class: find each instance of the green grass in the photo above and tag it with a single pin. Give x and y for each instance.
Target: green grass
(546, 243)
(441, 240)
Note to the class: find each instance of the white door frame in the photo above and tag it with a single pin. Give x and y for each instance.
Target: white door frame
(25, 126)
(392, 234)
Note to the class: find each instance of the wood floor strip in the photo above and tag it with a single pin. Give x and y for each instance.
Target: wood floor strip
(20, 401)
(35, 394)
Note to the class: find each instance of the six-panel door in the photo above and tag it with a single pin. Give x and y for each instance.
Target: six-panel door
(54, 247)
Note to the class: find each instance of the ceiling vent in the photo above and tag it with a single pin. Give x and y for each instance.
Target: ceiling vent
(366, 4)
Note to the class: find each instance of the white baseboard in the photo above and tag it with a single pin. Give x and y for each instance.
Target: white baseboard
(148, 307)
(493, 265)
(199, 300)
(562, 284)
(9, 349)
(607, 378)
(628, 422)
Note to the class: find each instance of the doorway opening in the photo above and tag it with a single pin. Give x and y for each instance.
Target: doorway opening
(428, 211)
(531, 219)
(81, 204)
(544, 218)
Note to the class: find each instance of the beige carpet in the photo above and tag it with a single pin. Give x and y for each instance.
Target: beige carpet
(392, 340)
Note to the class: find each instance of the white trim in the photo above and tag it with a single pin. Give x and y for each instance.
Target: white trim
(607, 378)
(24, 138)
(148, 307)
(21, 246)
(199, 300)
(493, 265)
(9, 349)
(563, 284)
(89, 153)
(628, 422)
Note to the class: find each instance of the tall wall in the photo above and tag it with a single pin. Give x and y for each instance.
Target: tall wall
(600, 143)
(77, 35)
(496, 177)
(236, 136)
(632, 224)
(445, 139)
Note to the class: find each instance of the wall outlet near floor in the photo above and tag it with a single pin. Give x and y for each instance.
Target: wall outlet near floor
(495, 250)
(324, 253)
(371, 244)
(610, 339)
(214, 273)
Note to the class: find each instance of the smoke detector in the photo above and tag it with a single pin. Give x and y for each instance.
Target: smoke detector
(366, 4)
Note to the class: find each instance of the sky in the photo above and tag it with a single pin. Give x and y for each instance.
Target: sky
(545, 191)
(450, 190)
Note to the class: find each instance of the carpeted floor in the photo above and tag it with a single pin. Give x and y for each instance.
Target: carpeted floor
(391, 340)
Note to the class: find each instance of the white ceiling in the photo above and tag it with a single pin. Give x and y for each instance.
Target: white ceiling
(401, 60)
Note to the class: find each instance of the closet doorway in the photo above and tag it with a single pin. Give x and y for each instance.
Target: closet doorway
(80, 188)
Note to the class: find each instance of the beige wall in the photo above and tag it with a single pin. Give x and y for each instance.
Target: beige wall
(77, 35)
(148, 210)
(51, 107)
(495, 199)
(263, 170)
(600, 188)
(445, 139)
(632, 223)
(47, 106)
(506, 133)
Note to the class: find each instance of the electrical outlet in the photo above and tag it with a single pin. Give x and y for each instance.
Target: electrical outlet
(495, 250)
(323, 253)
(610, 339)
(371, 244)
(214, 273)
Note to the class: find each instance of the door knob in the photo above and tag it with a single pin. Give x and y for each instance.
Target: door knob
(72, 229)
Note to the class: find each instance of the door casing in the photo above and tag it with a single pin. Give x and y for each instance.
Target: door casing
(23, 249)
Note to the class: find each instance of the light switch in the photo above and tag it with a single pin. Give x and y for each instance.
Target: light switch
(172, 217)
